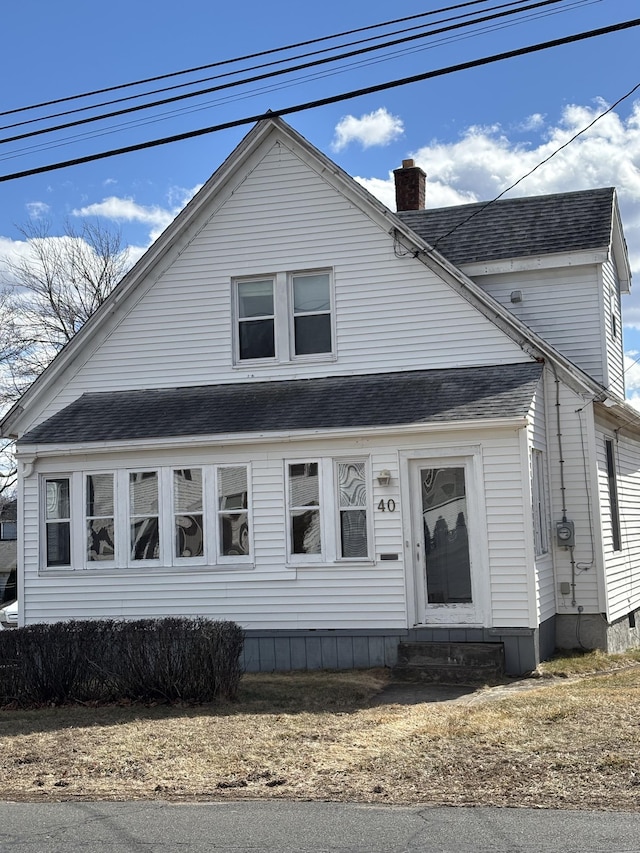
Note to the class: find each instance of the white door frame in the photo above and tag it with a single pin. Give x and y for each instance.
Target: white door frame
(468, 457)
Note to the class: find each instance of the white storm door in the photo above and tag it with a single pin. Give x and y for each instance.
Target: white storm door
(446, 541)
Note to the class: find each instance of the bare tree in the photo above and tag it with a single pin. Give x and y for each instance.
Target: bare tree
(47, 293)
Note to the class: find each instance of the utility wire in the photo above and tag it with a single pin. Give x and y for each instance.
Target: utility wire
(240, 58)
(355, 93)
(271, 74)
(256, 67)
(264, 89)
(483, 207)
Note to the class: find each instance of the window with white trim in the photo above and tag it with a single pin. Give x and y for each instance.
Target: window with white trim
(539, 504)
(352, 509)
(144, 515)
(158, 518)
(57, 515)
(283, 317)
(100, 517)
(188, 513)
(328, 513)
(305, 534)
(233, 512)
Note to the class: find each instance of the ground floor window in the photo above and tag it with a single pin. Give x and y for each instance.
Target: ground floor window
(613, 493)
(328, 510)
(161, 516)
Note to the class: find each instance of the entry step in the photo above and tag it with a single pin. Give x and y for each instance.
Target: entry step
(450, 663)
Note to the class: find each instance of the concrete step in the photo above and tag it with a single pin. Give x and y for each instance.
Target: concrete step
(450, 663)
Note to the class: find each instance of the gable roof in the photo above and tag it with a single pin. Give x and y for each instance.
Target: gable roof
(239, 163)
(518, 227)
(376, 400)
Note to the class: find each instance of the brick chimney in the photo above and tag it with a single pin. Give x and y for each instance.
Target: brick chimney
(410, 186)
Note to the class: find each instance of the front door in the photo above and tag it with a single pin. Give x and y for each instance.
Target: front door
(443, 538)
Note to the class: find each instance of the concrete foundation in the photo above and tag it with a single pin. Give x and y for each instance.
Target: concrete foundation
(592, 631)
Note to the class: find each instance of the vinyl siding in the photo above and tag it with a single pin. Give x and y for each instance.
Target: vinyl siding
(544, 574)
(614, 379)
(271, 595)
(391, 313)
(622, 568)
(563, 306)
(580, 498)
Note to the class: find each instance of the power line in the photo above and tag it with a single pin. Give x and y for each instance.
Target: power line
(355, 93)
(275, 73)
(241, 58)
(250, 68)
(295, 82)
(483, 207)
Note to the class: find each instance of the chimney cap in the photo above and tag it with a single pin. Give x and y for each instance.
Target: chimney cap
(408, 164)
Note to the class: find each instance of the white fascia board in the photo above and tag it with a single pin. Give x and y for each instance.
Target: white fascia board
(536, 262)
(29, 452)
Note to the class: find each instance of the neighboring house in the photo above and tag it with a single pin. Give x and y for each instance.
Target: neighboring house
(8, 542)
(343, 427)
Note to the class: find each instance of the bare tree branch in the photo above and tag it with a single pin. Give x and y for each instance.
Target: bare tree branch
(46, 295)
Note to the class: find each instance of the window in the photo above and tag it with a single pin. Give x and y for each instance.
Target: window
(320, 492)
(8, 530)
(168, 517)
(100, 524)
(188, 513)
(58, 521)
(311, 313)
(283, 317)
(304, 508)
(144, 515)
(256, 319)
(613, 494)
(233, 512)
(352, 509)
(540, 527)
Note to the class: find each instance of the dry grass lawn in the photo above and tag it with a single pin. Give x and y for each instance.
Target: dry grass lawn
(572, 742)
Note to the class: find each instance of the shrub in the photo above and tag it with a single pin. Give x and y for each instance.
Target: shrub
(194, 660)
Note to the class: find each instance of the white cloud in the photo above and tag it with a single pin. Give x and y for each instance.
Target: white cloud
(36, 209)
(485, 160)
(376, 128)
(126, 210)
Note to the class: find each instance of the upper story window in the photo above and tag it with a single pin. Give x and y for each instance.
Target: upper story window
(256, 319)
(284, 317)
(311, 313)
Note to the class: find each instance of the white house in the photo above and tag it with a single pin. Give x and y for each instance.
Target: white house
(344, 427)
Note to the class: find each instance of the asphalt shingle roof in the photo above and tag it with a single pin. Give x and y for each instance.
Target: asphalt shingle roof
(517, 227)
(428, 396)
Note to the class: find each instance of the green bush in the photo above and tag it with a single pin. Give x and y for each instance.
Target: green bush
(193, 660)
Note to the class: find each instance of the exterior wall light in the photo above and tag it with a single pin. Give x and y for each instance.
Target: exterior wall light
(384, 477)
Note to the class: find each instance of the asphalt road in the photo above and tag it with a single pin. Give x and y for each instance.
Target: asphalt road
(294, 827)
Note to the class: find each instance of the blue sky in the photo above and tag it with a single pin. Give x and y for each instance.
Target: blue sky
(474, 132)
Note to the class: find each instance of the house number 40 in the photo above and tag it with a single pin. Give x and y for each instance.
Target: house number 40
(387, 506)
